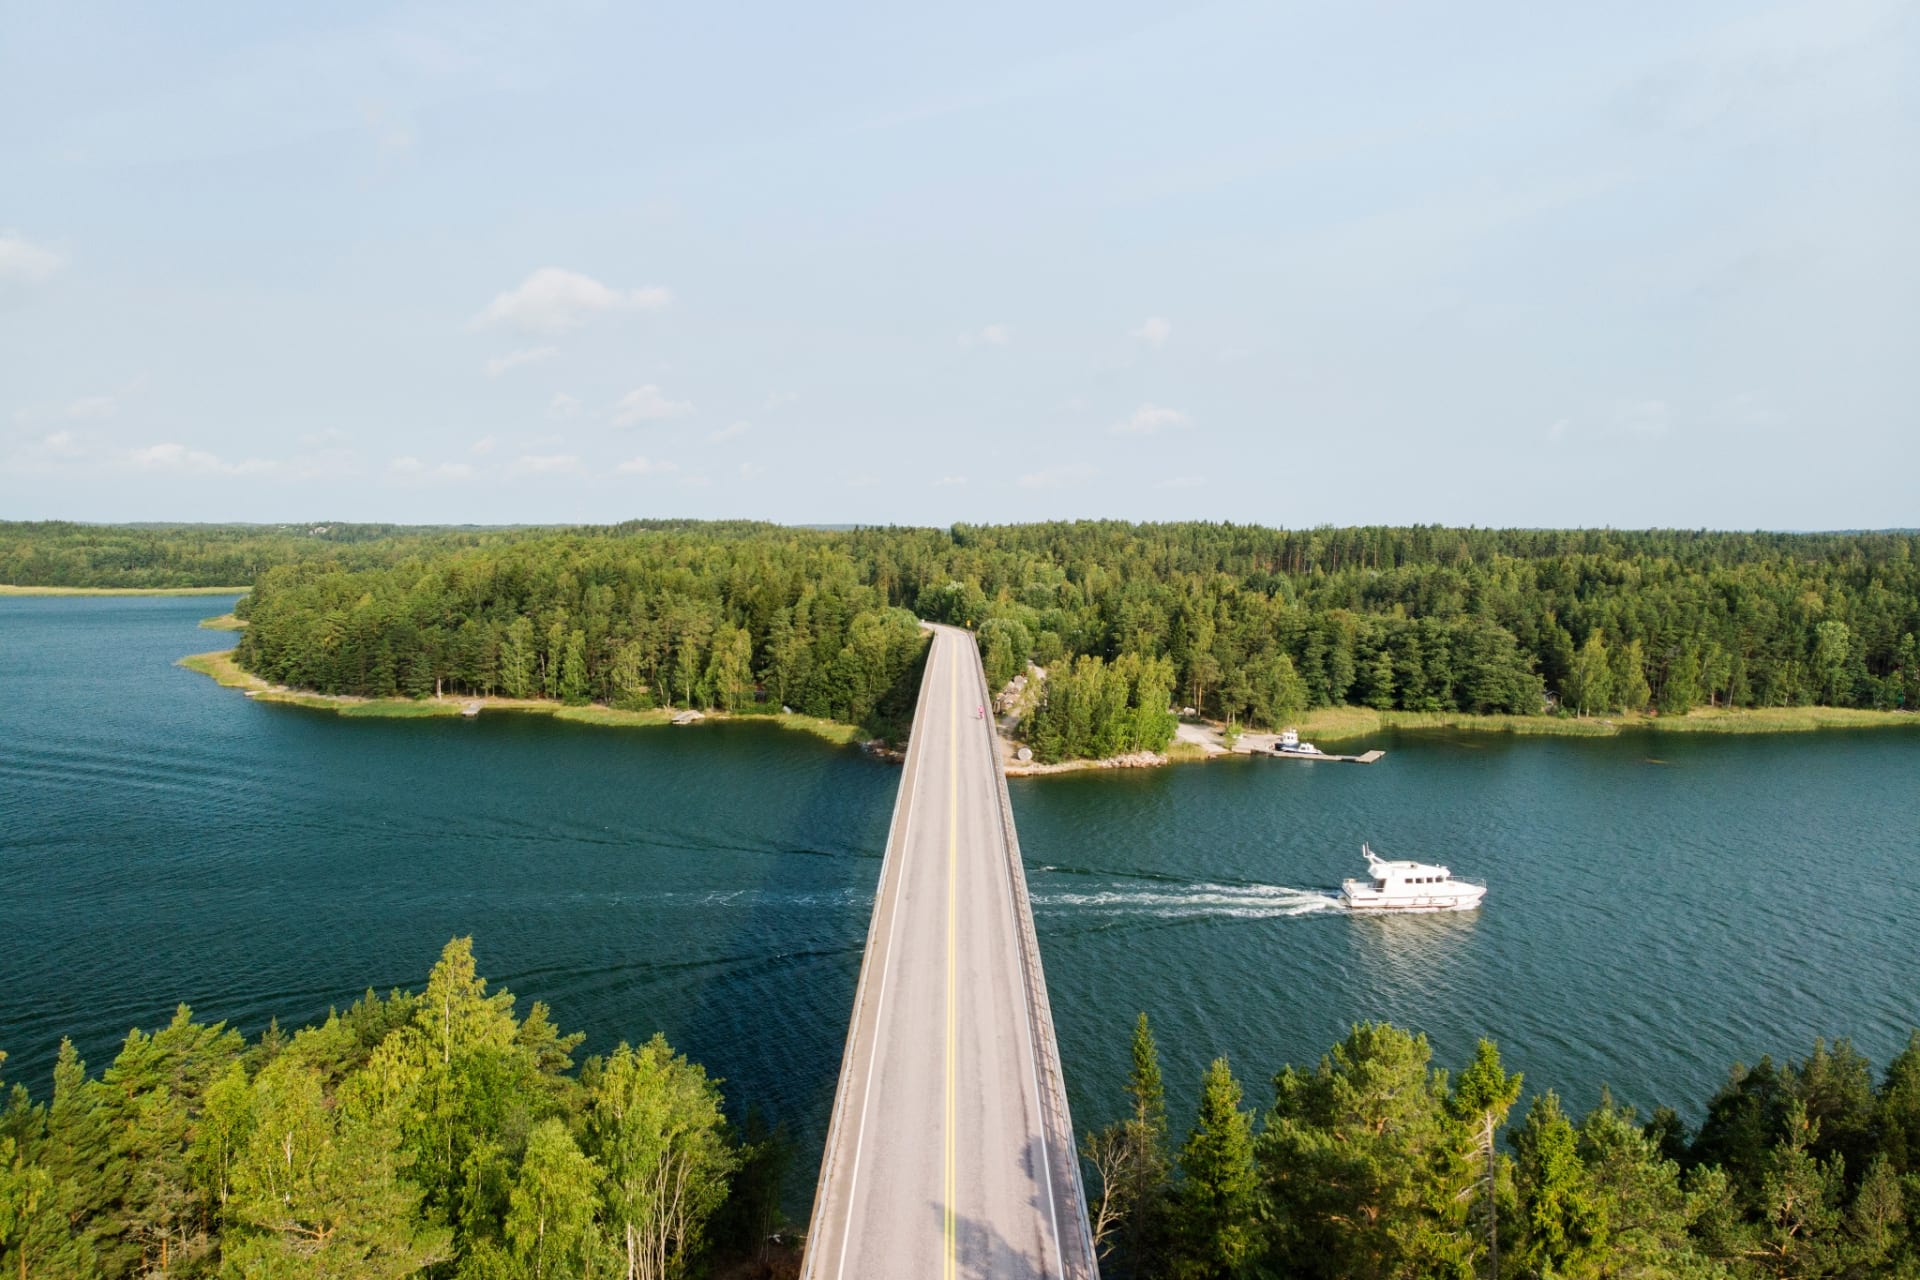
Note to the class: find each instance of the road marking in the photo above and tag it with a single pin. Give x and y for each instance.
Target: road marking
(880, 1007)
(953, 912)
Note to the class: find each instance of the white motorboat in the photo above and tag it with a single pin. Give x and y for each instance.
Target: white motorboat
(1397, 885)
(1290, 744)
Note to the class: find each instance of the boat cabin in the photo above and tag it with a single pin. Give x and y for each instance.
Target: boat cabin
(1389, 874)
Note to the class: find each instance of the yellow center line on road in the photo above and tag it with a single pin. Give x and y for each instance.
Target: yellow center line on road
(953, 887)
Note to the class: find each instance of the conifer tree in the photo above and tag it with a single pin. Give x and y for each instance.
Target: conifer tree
(1215, 1202)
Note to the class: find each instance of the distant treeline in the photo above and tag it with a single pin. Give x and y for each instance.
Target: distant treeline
(58, 553)
(432, 1134)
(1240, 622)
(1376, 1165)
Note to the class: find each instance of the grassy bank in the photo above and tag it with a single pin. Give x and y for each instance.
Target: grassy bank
(225, 671)
(6, 590)
(1335, 724)
(223, 622)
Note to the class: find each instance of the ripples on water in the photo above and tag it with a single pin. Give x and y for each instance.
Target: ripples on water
(1648, 923)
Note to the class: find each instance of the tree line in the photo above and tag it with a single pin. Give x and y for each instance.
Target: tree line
(660, 619)
(437, 1133)
(1255, 625)
(1376, 1164)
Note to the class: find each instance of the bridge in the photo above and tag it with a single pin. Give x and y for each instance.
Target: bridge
(950, 1153)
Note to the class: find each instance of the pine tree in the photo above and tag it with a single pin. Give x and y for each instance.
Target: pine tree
(1215, 1202)
(1565, 1222)
(517, 660)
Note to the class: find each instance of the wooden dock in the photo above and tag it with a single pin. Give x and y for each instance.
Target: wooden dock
(1365, 757)
(1267, 744)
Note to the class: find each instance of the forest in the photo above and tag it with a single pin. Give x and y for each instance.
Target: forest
(438, 1133)
(1244, 624)
(1376, 1164)
(443, 1133)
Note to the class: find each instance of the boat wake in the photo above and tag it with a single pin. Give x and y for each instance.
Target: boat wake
(1229, 901)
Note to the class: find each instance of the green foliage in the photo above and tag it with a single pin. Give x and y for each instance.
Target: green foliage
(654, 1122)
(1096, 709)
(1377, 1165)
(431, 1134)
(1565, 1222)
(1214, 1204)
(1255, 625)
(1132, 1168)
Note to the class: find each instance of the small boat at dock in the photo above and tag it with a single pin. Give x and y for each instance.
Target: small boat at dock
(1399, 885)
(1290, 744)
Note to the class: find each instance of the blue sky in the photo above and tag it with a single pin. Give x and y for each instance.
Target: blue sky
(1636, 264)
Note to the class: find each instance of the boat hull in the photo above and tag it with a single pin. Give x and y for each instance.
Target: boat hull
(1367, 901)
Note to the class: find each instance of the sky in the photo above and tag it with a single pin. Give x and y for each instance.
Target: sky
(1639, 264)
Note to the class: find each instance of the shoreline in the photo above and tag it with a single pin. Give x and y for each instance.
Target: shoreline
(7, 589)
(1337, 724)
(1327, 724)
(1344, 724)
(224, 671)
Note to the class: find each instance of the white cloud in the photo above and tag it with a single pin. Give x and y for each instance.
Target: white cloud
(175, 457)
(1151, 418)
(546, 464)
(645, 466)
(992, 335)
(1747, 409)
(1642, 417)
(949, 481)
(325, 436)
(514, 359)
(561, 406)
(694, 482)
(552, 300)
(25, 261)
(484, 445)
(62, 444)
(92, 408)
(1182, 482)
(1056, 477)
(732, 431)
(1154, 331)
(647, 404)
(323, 464)
(411, 468)
(750, 469)
(781, 399)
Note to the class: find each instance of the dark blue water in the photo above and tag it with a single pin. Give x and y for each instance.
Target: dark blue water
(1660, 906)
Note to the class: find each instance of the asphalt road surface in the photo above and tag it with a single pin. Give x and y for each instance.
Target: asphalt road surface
(950, 1153)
